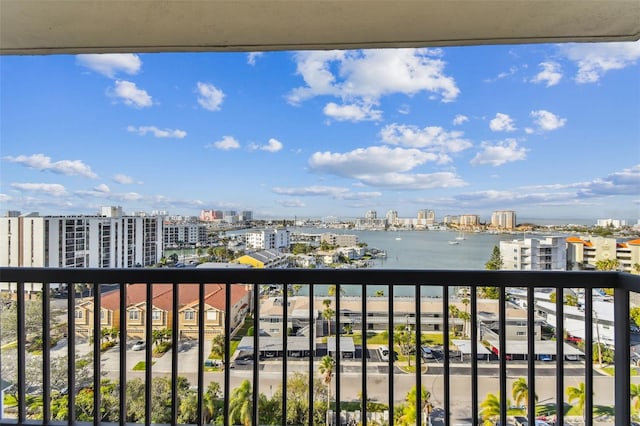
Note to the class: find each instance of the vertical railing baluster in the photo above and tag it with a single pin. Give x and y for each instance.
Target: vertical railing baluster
(256, 354)
(46, 352)
(622, 381)
(363, 376)
(312, 335)
(285, 333)
(446, 359)
(474, 354)
(122, 406)
(175, 305)
(71, 352)
(559, 354)
(21, 329)
(531, 354)
(97, 340)
(202, 291)
(588, 353)
(338, 354)
(418, 349)
(392, 354)
(148, 377)
(502, 332)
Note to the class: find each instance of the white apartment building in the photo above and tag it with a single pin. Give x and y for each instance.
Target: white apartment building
(585, 252)
(614, 223)
(264, 239)
(110, 241)
(176, 234)
(532, 254)
(503, 219)
(426, 217)
(469, 220)
(392, 217)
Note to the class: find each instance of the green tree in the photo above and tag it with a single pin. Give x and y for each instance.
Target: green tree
(636, 268)
(520, 392)
(406, 341)
(331, 291)
(635, 396)
(634, 313)
(326, 370)
(217, 347)
(495, 262)
(409, 412)
(379, 293)
(488, 293)
(327, 315)
(490, 408)
(607, 264)
(296, 289)
(240, 404)
(579, 394)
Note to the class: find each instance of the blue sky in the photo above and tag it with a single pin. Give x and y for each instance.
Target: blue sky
(551, 131)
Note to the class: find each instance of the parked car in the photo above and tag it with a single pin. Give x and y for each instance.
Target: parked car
(138, 345)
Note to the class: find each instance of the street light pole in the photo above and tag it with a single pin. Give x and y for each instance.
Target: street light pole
(595, 315)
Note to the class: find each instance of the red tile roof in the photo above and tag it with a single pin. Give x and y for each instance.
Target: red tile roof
(163, 295)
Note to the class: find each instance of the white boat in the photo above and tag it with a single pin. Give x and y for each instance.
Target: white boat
(454, 242)
(398, 238)
(460, 236)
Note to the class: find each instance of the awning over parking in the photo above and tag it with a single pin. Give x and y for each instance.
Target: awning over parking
(542, 347)
(346, 345)
(465, 347)
(274, 344)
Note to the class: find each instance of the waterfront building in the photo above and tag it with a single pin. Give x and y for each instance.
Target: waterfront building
(469, 220)
(178, 234)
(533, 254)
(585, 252)
(341, 240)
(371, 214)
(210, 215)
(112, 240)
(503, 219)
(265, 259)
(426, 217)
(262, 239)
(613, 223)
(392, 217)
(246, 216)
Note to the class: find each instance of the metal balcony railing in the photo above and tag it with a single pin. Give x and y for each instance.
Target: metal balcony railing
(21, 395)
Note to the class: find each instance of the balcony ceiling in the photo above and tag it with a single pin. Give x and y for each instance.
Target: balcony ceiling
(101, 26)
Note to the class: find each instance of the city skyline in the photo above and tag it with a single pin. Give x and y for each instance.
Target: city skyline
(550, 131)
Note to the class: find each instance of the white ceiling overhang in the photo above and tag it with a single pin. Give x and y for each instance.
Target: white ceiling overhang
(97, 26)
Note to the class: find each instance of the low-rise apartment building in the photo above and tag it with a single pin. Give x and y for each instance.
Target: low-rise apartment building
(534, 254)
(162, 309)
(585, 252)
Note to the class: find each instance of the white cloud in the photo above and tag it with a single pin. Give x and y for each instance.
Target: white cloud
(158, 133)
(5, 198)
(226, 143)
(291, 203)
(625, 182)
(547, 121)
(500, 153)
(404, 109)
(130, 95)
(432, 138)
(210, 97)
(551, 74)
(252, 56)
(502, 123)
(404, 181)
(596, 59)
(123, 179)
(54, 189)
(370, 74)
(65, 167)
(371, 160)
(109, 64)
(459, 119)
(102, 188)
(273, 145)
(505, 74)
(352, 112)
(336, 192)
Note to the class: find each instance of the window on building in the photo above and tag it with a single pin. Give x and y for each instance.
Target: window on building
(78, 314)
(156, 315)
(212, 315)
(189, 315)
(134, 315)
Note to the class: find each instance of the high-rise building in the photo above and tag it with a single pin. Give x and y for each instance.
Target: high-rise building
(503, 219)
(114, 241)
(184, 233)
(392, 217)
(469, 220)
(426, 217)
(210, 215)
(533, 254)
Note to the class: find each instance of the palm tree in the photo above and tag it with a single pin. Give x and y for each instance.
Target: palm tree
(467, 316)
(520, 391)
(327, 314)
(296, 289)
(490, 407)
(326, 367)
(635, 396)
(578, 393)
(379, 293)
(240, 410)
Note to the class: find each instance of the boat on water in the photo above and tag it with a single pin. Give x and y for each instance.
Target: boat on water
(398, 238)
(453, 243)
(460, 236)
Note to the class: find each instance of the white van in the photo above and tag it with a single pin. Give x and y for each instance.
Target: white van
(383, 353)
